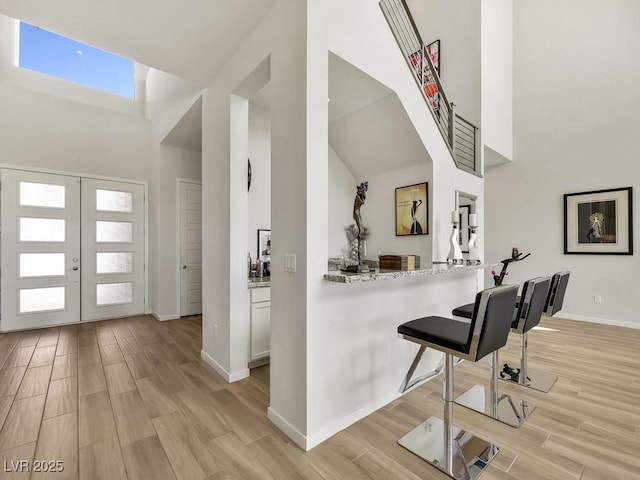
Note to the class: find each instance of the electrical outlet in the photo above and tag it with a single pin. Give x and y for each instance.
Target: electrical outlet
(597, 299)
(216, 332)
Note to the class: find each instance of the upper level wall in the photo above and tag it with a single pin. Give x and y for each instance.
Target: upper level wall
(497, 78)
(457, 24)
(576, 119)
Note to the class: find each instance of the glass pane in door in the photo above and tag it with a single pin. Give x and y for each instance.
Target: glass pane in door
(42, 195)
(42, 229)
(114, 232)
(114, 262)
(41, 265)
(113, 201)
(41, 299)
(114, 293)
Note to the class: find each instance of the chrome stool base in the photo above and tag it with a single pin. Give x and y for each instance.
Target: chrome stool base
(470, 455)
(506, 409)
(539, 381)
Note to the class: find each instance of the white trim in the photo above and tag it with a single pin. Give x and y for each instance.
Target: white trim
(164, 318)
(179, 181)
(289, 430)
(229, 377)
(602, 321)
(26, 168)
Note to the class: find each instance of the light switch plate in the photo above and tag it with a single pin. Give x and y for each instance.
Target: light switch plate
(290, 263)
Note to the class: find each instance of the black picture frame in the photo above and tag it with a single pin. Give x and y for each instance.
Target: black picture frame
(412, 209)
(599, 222)
(264, 242)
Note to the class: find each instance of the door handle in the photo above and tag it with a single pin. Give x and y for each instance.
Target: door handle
(184, 267)
(74, 268)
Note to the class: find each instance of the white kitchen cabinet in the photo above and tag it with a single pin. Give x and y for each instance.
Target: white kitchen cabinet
(260, 322)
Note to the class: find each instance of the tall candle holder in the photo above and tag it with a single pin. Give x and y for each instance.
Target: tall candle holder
(455, 253)
(474, 258)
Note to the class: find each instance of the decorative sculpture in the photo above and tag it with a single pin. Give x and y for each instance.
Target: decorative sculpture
(358, 231)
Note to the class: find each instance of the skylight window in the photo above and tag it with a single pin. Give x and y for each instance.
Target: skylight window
(52, 54)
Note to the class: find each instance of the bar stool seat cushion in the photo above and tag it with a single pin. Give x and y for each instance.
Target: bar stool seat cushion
(448, 333)
(464, 311)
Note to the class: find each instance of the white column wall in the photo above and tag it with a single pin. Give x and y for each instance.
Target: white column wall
(260, 192)
(576, 119)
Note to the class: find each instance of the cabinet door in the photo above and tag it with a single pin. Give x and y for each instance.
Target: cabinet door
(260, 329)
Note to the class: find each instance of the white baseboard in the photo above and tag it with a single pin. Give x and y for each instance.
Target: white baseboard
(308, 442)
(229, 377)
(289, 430)
(603, 321)
(164, 318)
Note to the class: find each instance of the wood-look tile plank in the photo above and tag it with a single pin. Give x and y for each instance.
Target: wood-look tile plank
(199, 408)
(49, 337)
(102, 461)
(65, 366)
(35, 382)
(246, 425)
(119, 379)
(13, 462)
(5, 406)
(10, 379)
(43, 356)
(88, 355)
(58, 442)
(68, 331)
(146, 459)
(105, 336)
(139, 366)
(28, 339)
(91, 379)
(132, 421)
(22, 423)
(379, 466)
(19, 357)
(156, 396)
(5, 352)
(283, 459)
(202, 376)
(111, 354)
(231, 455)
(187, 454)
(95, 419)
(87, 338)
(67, 345)
(62, 397)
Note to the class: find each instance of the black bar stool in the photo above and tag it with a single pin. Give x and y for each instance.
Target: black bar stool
(506, 408)
(456, 452)
(538, 380)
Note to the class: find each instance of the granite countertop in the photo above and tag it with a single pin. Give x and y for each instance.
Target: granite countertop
(259, 282)
(377, 274)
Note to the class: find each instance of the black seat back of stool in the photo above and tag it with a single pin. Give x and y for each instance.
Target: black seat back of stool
(491, 322)
(533, 303)
(559, 283)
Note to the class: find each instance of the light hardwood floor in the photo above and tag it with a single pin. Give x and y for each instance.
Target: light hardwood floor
(130, 398)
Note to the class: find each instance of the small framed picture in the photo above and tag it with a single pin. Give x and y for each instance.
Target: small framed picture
(264, 243)
(412, 216)
(599, 222)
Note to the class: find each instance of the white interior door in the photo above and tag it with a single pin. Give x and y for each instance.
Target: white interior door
(40, 257)
(190, 248)
(113, 249)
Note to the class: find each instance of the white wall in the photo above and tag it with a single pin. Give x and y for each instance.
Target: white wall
(576, 119)
(457, 24)
(379, 214)
(497, 77)
(342, 191)
(260, 192)
(173, 163)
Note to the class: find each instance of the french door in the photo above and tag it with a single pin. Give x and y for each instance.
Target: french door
(72, 249)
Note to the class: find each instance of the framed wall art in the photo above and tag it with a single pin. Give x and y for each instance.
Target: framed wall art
(599, 222)
(463, 240)
(264, 243)
(412, 210)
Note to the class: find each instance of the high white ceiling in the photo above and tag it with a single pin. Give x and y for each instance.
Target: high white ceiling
(188, 38)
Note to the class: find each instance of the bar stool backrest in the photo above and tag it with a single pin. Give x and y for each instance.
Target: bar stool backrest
(491, 322)
(533, 302)
(559, 283)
